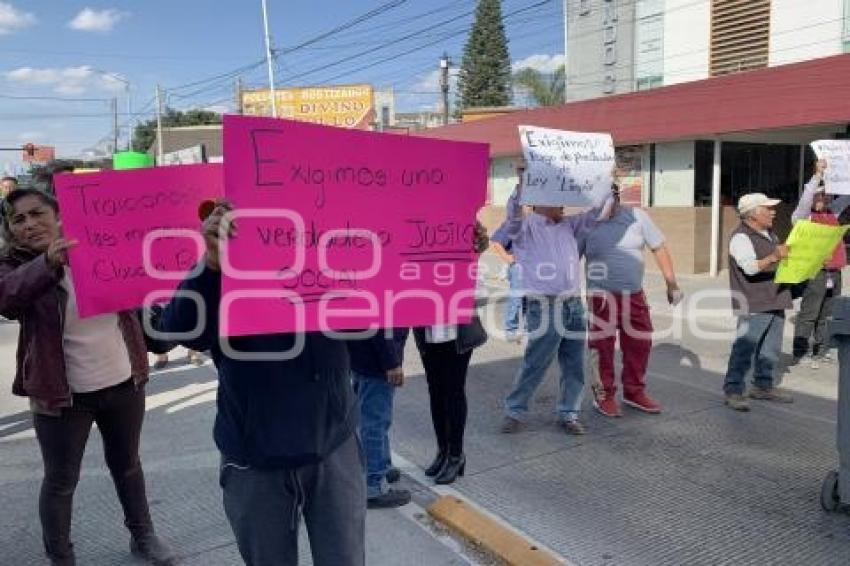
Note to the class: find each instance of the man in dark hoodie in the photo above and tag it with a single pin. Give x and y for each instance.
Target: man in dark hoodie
(284, 427)
(376, 371)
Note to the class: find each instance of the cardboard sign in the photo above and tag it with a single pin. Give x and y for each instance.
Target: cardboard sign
(342, 229)
(837, 156)
(810, 245)
(566, 168)
(115, 216)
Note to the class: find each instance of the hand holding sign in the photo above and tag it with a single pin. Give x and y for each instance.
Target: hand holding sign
(57, 251)
(217, 225)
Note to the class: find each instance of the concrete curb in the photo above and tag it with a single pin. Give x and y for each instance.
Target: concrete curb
(495, 538)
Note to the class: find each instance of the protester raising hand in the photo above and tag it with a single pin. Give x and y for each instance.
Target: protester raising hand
(57, 251)
(216, 224)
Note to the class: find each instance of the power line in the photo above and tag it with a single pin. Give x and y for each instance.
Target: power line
(53, 98)
(434, 42)
(227, 75)
(348, 25)
(403, 39)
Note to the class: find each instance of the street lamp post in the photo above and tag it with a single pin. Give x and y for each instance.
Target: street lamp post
(121, 79)
(269, 59)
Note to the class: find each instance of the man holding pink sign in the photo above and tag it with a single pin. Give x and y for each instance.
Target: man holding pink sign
(260, 302)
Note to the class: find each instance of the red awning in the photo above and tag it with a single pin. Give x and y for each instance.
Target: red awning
(812, 93)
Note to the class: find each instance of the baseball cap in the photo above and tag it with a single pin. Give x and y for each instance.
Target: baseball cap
(750, 202)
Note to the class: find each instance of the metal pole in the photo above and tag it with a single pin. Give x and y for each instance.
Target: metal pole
(566, 32)
(269, 59)
(159, 151)
(114, 105)
(238, 90)
(714, 258)
(129, 120)
(444, 86)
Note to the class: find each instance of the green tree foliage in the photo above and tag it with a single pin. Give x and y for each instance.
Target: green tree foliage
(485, 73)
(544, 90)
(145, 133)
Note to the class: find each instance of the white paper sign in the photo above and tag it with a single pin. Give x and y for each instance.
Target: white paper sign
(566, 168)
(837, 156)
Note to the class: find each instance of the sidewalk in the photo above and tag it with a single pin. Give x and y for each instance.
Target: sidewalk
(181, 467)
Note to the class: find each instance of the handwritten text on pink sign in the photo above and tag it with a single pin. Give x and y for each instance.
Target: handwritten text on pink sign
(341, 229)
(113, 215)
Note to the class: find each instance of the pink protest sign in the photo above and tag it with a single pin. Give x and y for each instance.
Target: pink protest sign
(342, 229)
(115, 215)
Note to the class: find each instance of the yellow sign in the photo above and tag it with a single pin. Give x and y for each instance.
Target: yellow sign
(810, 245)
(350, 106)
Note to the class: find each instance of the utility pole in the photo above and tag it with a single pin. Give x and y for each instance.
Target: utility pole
(269, 60)
(566, 47)
(238, 94)
(444, 85)
(129, 120)
(159, 124)
(114, 105)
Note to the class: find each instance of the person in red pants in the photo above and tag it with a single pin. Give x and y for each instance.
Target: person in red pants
(617, 303)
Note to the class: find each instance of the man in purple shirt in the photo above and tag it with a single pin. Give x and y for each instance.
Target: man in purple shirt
(546, 246)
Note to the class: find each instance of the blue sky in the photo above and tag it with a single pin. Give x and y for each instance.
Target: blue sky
(68, 50)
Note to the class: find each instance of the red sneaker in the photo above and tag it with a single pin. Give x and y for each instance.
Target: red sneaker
(607, 406)
(643, 402)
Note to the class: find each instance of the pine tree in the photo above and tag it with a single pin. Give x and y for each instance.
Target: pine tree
(485, 73)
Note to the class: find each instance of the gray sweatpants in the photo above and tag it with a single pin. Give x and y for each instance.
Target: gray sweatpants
(264, 508)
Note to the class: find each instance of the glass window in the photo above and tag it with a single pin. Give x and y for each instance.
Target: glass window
(649, 43)
(773, 169)
(846, 29)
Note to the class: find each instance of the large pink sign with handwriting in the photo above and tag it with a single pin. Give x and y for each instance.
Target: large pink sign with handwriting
(341, 229)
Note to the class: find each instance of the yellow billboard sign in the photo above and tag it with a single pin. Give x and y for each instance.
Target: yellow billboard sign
(348, 106)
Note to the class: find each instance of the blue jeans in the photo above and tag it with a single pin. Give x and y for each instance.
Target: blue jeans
(376, 415)
(514, 305)
(546, 340)
(758, 345)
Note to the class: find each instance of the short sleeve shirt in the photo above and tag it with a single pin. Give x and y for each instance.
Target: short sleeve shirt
(614, 250)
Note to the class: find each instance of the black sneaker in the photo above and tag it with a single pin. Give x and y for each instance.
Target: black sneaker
(393, 475)
(390, 499)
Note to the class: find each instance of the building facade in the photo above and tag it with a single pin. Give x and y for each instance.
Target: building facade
(690, 174)
(620, 46)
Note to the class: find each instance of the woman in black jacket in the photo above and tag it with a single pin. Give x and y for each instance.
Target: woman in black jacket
(446, 351)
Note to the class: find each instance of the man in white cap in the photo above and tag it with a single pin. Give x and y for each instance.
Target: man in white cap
(758, 302)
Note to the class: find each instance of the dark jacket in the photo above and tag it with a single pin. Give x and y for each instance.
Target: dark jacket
(30, 293)
(759, 290)
(272, 412)
(373, 357)
(469, 336)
